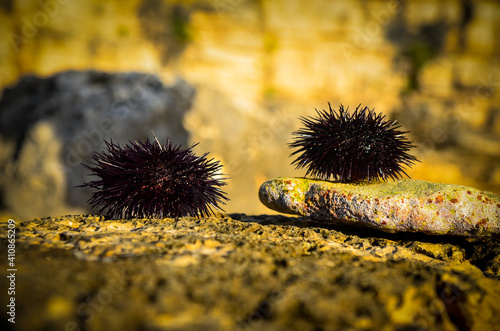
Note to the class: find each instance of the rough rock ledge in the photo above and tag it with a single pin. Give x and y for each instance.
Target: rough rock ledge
(401, 206)
(242, 272)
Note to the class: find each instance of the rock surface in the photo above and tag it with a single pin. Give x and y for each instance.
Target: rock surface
(248, 273)
(50, 125)
(400, 206)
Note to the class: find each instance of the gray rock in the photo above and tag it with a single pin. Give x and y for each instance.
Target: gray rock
(49, 126)
(401, 206)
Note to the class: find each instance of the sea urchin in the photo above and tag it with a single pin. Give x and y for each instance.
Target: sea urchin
(147, 179)
(361, 146)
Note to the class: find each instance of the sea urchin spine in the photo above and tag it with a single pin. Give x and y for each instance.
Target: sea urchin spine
(147, 179)
(361, 146)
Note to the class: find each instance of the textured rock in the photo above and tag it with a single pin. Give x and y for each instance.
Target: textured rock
(246, 272)
(401, 206)
(50, 125)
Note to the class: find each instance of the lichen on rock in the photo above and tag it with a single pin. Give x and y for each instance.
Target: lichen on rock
(397, 206)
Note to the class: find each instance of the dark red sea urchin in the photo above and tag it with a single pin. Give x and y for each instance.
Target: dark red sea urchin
(361, 146)
(147, 179)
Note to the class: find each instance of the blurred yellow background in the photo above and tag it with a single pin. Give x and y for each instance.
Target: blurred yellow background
(259, 65)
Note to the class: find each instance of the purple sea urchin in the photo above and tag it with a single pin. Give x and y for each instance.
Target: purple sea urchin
(351, 147)
(147, 179)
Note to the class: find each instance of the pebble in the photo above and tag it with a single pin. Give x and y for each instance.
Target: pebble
(398, 206)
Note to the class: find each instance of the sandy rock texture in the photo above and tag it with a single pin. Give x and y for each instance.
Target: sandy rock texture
(396, 206)
(239, 272)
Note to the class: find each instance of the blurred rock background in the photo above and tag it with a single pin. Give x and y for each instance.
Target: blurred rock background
(238, 74)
